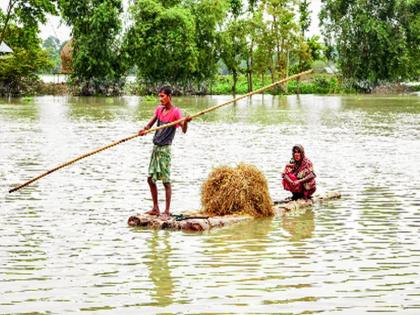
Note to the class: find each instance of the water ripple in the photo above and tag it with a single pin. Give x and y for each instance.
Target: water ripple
(66, 247)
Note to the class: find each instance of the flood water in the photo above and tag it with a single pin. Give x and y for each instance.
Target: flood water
(66, 248)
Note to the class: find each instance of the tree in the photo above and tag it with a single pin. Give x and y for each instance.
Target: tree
(302, 52)
(234, 49)
(265, 46)
(28, 13)
(20, 28)
(19, 72)
(235, 8)
(251, 30)
(52, 45)
(99, 64)
(372, 39)
(304, 16)
(284, 30)
(409, 13)
(233, 41)
(316, 48)
(209, 16)
(162, 44)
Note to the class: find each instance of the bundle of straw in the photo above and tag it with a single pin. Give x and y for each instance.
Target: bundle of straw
(236, 190)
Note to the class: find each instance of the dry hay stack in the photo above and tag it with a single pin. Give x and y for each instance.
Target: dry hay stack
(66, 57)
(236, 190)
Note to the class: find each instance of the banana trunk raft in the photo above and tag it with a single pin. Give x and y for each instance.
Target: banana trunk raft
(200, 221)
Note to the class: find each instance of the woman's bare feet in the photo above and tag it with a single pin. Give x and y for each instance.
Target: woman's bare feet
(153, 212)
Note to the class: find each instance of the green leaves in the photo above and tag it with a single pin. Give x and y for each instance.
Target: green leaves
(304, 16)
(98, 62)
(372, 39)
(52, 46)
(162, 42)
(19, 29)
(187, 42)
(234, 48)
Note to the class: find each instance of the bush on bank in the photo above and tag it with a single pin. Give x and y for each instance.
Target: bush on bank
(222, 85)
(317, 84)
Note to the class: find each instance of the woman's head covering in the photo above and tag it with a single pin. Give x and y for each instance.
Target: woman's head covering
(300, 148)
(302, 169)
(304, 164)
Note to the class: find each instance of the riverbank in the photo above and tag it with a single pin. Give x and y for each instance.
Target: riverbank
(321, 84)
(315, 84)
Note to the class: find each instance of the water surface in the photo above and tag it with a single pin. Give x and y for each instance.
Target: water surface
(66, 247)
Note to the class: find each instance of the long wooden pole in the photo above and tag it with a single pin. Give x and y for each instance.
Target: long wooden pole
(158, 128)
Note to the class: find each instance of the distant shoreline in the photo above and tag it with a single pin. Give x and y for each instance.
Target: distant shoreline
(55, 84)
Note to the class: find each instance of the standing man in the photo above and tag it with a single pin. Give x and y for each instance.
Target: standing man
(160, 161)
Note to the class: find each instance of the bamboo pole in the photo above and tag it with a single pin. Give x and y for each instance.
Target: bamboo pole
(158, 128)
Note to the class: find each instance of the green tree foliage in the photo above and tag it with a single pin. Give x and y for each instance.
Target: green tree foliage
(27, 14)
(98, 62)
(233, 42)
(304, 16)
(252, 20)
(19, 71)
(316, 48)
(235, 7)
(52, 45)
(234, 49)
(250, 29)
(273, 33)
(284, 31)
(307, 52)
(373, 39)
(19, 29)
(209, 16)
(184, 42)
(302, 53)
(162, 44)
(265, 46)
(409, 12)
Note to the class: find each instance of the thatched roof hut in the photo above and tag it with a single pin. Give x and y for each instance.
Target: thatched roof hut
(5, 49)
(66, 57)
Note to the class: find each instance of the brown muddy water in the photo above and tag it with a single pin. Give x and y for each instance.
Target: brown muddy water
(66, 247)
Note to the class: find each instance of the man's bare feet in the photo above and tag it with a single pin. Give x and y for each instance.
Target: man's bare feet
(164, 216)
(153, 212)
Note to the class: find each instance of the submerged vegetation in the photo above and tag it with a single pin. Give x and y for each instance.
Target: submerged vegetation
(212, 46)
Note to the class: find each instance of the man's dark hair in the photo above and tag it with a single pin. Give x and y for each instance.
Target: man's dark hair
(166, 89)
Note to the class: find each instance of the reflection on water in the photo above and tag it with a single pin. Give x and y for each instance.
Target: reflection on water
(66, 247)
(247, 236)
(159, 270)
(299, 226)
